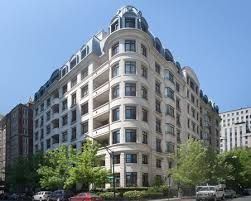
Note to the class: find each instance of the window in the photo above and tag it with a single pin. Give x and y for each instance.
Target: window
(169, 110)
(157, 68)
(116, 137)
(130, 67)
(64, 120)
(169, 129)
(48, 116)
(115, 91)
(157, 106)
(115, 114)
(144, 159)
(36, 123)
(73, 133)
(73, 63)
(144, 137)
(64, 136)
(130, 135)
(84, 127)
(157, 87)
(64, 89)
(158, 163)
(36, 135)
(74, 81)
(48, 102)
(131, 179)
(73, 116)
(145, 180)
(192, 98)
(130, 112)
(48, 143)
(115, 49)
(64, 104)
(130, 89)
(115, 70)
(144, 92)
(158, 125)
(158, 145)
(116, 159)
(169, 147)
(84, 91)
(169, 76)
(130, 45)
(144, 71)
(177, 87)
(84, 73)
(143, 50)
(131, 158)
(144, 115)
(48, 129)
(130, 22)
(177, 103)
(84, 108)
(169, 93)
(73, 99)
(42, 107)
(115, 26)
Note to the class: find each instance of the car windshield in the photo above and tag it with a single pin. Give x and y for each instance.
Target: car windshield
(206, 188)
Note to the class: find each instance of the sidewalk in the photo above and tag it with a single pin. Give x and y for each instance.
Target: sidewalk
(173, 199)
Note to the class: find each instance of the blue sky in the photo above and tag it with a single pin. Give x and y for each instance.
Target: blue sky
(213, 37)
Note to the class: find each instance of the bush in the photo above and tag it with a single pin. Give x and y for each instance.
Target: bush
(134, 195)
(108, 195)
(152, 194)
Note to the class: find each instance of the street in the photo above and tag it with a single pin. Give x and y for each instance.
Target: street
(246, 198)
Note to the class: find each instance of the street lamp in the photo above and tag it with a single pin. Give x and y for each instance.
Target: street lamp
(111, 153)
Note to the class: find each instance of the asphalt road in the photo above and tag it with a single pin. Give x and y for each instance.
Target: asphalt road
(245, 198)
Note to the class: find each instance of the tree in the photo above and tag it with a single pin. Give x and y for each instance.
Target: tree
(55, 170)
(192, 164)
(86, 170)
(22, 174)
(240, 161)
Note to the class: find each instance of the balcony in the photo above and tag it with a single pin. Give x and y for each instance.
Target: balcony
(101, 89)
(100, 70)
(100, 100)
(55, 101)
(101, 110)
(55, 131)
(100, 80)
(103, 130)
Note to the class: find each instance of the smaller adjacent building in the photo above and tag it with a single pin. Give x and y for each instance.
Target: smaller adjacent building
(235, 129)
(16, 136)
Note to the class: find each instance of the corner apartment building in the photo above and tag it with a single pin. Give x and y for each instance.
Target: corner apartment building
(125, 90)
(235, 129)
(16, 132)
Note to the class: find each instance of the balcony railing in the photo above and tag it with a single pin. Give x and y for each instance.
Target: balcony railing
(101, 130)
(101, 109)
(101, 89)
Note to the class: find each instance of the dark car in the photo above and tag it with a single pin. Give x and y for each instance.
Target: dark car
(60, 195)
(86, 197)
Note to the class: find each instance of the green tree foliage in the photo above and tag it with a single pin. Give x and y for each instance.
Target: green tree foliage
(86, 170)
(192, 164)
(22, 174)
(56, 167)
(240, 173)
(65, 167)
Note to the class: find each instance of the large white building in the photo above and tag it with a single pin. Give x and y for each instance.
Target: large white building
(125, 90)
(235, 129)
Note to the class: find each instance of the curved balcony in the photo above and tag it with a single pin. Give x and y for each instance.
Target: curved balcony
(103, 130)
(101, 110)
(101, 89)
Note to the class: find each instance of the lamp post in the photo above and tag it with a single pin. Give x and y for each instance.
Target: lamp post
(111, 153)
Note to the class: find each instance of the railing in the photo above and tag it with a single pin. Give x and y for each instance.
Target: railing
(100, 70)
(101, 130)
(101, 109)
(99, 90)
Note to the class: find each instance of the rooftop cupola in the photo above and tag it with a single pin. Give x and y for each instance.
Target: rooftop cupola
(128, 17)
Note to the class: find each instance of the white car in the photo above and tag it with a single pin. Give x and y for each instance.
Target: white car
(42, 195)
(209, 193)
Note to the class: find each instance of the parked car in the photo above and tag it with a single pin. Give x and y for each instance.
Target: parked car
(42, 195)
(86, 197)
(210, 193)
(60, 195)
(230, 193)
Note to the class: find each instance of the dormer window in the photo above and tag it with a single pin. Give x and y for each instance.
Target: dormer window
(73, 63)
(115, 26)
(83, 53)
(130, 22)
(64, 71)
